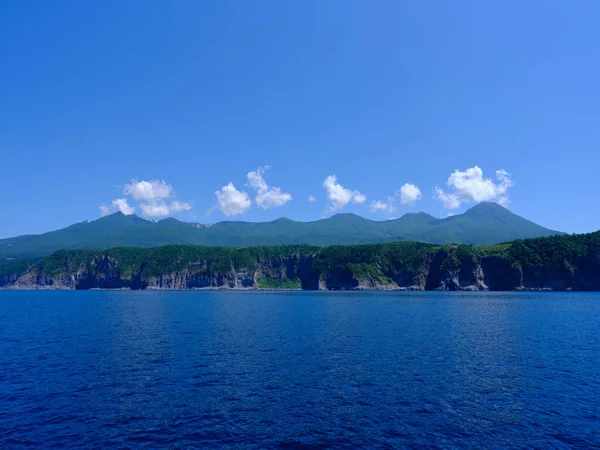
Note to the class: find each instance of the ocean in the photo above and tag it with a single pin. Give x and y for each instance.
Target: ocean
(269, 369)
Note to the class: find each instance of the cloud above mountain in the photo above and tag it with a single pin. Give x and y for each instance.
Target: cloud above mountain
(157, 198)
(119, 204)
(338, 196)
(150, 197)
(407, 195)
(231, 201)
(148, 190)
(450, 201)
(160, 208)
(267, 197)
(386, 207)
(470, 186)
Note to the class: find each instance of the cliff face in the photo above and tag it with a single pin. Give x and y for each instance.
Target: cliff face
(447, 268)
(105, 272)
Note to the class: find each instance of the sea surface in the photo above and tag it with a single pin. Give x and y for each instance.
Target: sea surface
(221, 369)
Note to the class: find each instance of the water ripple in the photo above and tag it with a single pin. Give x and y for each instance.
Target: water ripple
(299, 370)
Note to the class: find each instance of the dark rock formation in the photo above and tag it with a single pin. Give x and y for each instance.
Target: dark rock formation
(435, 272)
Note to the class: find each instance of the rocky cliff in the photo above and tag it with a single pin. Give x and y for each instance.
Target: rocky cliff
(557, 263)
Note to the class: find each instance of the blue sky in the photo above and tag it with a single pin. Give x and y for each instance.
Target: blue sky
(103, 101)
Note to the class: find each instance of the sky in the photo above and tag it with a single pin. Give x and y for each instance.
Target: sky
(238, 110)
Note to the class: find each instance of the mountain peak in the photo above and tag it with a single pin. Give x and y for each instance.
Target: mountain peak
(346, 215)
(168, 220)
(485, 223)
(119, 216)
(281, 220)
(486, 208)
(419, 214)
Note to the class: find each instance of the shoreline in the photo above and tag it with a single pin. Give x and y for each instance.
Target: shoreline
(252, 289)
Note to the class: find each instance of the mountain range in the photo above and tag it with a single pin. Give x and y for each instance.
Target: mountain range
(485, 223)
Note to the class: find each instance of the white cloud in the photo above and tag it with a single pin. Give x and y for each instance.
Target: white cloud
(504, 178)
(471, 186)
(359, 198)
(151, 196)
(379, 206)
(266, 197)
(148, 190)
(119, 204)
(273, 198)
(155, 208)
(311, 199)
(256, 180)
(450, 201)
(123, 206)
(178, 206)
(160, 208)
(231, 202)
(339, 196)
(409, 194)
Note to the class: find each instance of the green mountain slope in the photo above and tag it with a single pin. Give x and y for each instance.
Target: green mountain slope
(486, 223)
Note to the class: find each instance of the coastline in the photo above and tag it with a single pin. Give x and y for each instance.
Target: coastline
(559, 263)
(257, 289)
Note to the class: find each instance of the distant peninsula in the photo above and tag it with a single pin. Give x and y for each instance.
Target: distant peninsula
(563, 262)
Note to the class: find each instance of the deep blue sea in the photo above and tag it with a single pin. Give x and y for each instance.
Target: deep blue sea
(255, 369)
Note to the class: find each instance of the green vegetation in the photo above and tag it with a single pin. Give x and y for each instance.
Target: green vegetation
(570, 260)
(167, 259)
(386, 280)
(275, 283)
(484, 224)
(554, 252)
(15, 267)
(368, 261)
